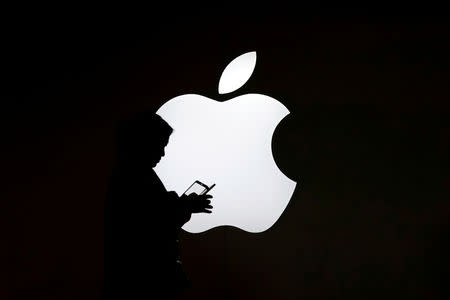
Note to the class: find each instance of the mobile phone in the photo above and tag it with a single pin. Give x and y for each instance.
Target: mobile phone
(199, 188)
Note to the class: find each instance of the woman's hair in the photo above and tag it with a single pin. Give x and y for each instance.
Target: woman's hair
(144, 132)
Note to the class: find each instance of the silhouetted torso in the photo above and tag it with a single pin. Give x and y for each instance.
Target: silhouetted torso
(142, 223)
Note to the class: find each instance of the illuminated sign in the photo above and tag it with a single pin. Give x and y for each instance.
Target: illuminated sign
(227, 143)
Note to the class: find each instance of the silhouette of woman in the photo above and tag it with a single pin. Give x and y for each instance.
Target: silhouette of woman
(143, 219)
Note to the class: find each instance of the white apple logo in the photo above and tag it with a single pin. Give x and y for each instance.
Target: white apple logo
(227, 143)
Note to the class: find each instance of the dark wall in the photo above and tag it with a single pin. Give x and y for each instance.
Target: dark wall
(367, 141)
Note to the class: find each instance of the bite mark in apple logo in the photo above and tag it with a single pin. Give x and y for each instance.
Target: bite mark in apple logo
(227, 143)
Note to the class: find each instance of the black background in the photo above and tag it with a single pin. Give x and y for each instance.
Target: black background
(367, 141)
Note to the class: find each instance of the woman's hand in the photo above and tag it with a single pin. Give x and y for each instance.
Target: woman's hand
(198, 203)
(172, 195)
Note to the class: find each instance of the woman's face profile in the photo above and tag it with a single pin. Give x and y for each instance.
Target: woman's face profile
(157, 152)
(141, 142)
(160, 152)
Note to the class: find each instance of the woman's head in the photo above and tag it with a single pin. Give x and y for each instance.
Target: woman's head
(141, 140)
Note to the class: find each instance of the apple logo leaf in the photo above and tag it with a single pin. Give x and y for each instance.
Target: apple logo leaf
(237, 72)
